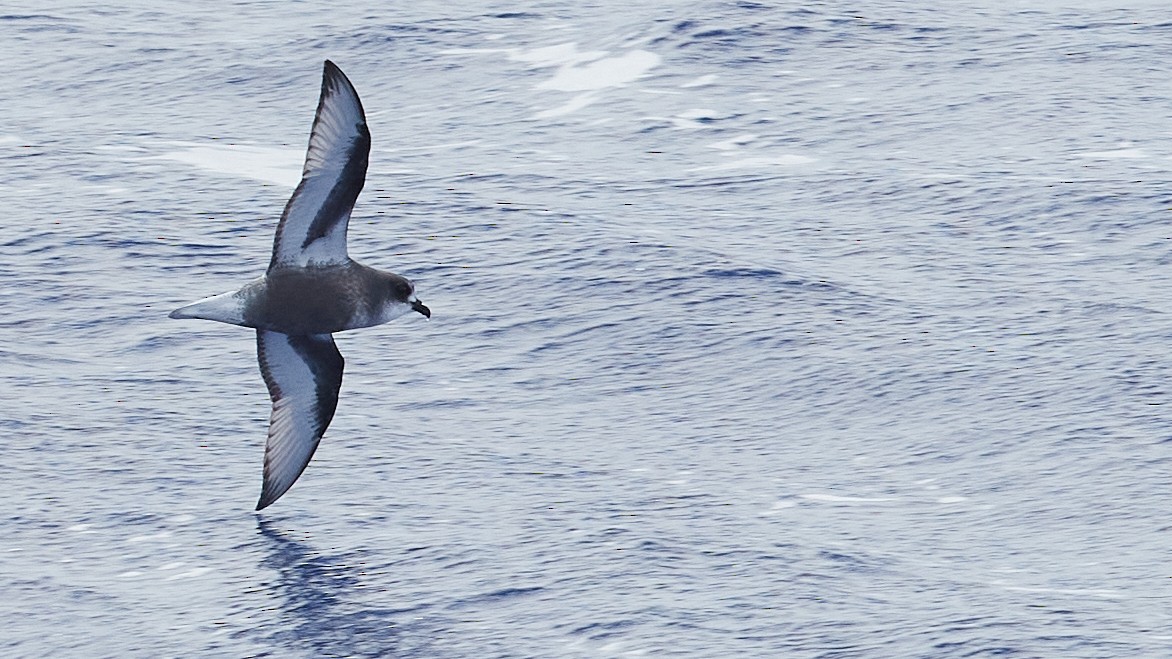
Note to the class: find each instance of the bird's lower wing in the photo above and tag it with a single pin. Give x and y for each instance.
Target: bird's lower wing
(303, 374)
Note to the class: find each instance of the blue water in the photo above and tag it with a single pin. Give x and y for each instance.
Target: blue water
(808, 331)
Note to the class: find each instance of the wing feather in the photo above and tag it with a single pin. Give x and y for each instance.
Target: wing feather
(313, 227)
(303, 375)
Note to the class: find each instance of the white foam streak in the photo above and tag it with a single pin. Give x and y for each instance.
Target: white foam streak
(702, 81)
(584, 72)
(759, 162)
(268, 164)
(573, 105)
(1118, 153)
(603, 73)
(835, 498)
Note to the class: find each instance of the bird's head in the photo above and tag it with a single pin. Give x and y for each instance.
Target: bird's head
(416, 304)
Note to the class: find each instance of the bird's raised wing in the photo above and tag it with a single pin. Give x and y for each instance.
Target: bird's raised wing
(303, 374)
(313, 226)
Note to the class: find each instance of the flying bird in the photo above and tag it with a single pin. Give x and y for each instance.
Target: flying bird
(312, 289)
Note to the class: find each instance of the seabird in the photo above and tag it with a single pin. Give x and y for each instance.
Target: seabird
(312, 289)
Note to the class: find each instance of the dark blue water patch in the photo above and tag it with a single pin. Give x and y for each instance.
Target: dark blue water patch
(752, 41)
(41, 23)
(862, 21)
(667, 553)
(732, 184)
(362, 633)
(1096, 25)
(37, 242)
(13, 424)
(514, 15)
(776, 277)
(850, 562)
(437, 268)
(748, 273)
(1108, 47)
(422, 33)
(977, 649)
(602, 630)
(607, 328)
(27, 151)
(548, 474)
(121, 518)
(722, 34)
(735, 36)
(451, 403)
(496, 596)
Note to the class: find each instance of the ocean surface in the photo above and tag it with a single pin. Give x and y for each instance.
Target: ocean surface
(759, 330)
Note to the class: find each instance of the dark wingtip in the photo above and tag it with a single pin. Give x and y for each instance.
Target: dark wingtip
(269, 493)
(266, 500)
(330, 71)
(333, 71)
(333, 80)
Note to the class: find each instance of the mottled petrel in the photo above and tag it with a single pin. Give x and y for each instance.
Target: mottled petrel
(312, 289)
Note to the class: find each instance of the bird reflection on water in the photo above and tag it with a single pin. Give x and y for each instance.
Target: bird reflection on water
(320, 595)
